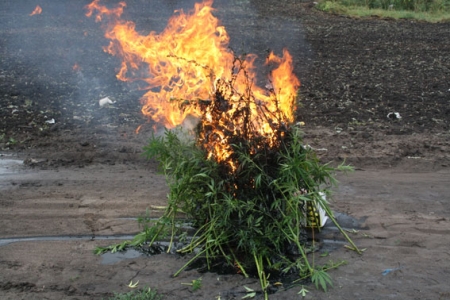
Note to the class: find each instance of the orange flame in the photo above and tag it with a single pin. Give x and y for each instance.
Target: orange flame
(184, 63)
(76, 67)
(36, 11)
(138, 129)
(102, 10)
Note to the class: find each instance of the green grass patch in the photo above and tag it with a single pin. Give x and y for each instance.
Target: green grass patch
(433, 11)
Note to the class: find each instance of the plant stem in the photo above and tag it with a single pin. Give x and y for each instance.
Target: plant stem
(330, 215)
(261, 274)
(188, 263)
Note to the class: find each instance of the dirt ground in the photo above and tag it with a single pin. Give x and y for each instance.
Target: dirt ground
(77, 180)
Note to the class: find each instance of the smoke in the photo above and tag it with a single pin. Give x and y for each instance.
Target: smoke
(254, 27)
(42, 50)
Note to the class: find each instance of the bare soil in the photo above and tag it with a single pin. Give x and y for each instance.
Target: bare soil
(83, 175)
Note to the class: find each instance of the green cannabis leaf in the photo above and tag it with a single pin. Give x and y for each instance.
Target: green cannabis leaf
(322, 279)
(250, 293)
(303, 292)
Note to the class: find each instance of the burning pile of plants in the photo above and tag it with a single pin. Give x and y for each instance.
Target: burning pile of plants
(245, 180)
(253, 205)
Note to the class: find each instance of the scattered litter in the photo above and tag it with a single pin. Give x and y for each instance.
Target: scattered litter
(51, 121)
(387, 271)
(105, 102)
(394, 116)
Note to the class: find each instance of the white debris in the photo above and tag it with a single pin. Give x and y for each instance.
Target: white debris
(394, 115)
(105, 102)
(32, 162)
(51, 121)
(322, 214)
(307, 147)
(319, 215)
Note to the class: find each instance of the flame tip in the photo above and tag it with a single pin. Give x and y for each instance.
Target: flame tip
(190, 61)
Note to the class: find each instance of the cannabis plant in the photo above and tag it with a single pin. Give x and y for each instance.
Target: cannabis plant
(254, 218)
(246, 182)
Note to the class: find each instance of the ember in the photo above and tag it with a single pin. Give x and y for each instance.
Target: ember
(36, 11)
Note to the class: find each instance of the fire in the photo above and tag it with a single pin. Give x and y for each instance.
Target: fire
(188, 66)
(36, 11)
(102, 10)
(138, 129)
(76, 67)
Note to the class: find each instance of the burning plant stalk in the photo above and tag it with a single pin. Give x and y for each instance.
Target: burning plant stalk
(246, 178)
